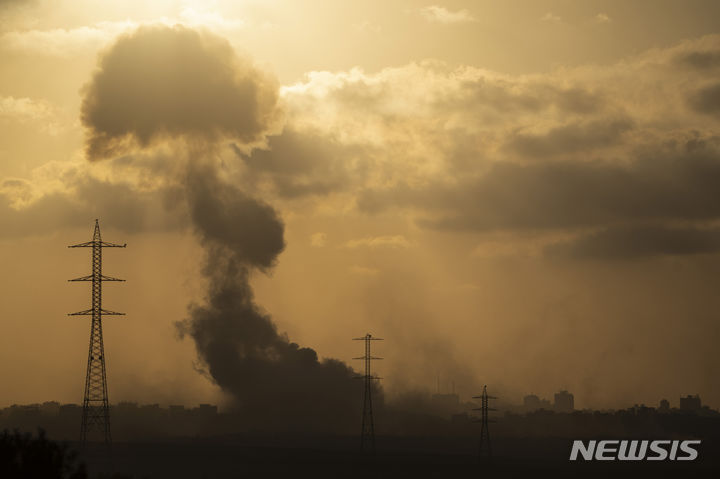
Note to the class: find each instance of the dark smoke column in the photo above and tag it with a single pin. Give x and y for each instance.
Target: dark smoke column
(186, 90)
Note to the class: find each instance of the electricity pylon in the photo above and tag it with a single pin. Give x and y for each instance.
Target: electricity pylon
(367, 438)
(96, 409)
(485, 449)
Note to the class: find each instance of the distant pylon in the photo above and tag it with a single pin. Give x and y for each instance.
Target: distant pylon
(367, 438)
(96, 409)
(485, 449)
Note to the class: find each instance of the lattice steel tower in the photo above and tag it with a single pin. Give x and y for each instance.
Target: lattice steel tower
(485, 449)
(96, 410)
(367, 439)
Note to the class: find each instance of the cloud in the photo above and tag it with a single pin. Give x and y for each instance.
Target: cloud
(85, 39)
(318, 240)
(602, 18)
(551, 18)
(570, 138)
(701, 60)
(438, 14)
(163, 82)
(638, 241)
(679, 183)
(21, 108)
(65, 43)
(456, 148)
(397, 241)
(27, 212)
(302, 163)
(28, 110)
(364, 270)
(15, 3)
(706, 100)
(466, 149)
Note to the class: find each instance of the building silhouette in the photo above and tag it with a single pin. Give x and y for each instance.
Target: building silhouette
(690, 403)
(564, 402)
(532, 402)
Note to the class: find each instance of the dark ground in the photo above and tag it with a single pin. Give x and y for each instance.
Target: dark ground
(337, 457)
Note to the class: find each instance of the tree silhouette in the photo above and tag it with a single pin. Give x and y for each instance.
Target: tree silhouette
(25, 456)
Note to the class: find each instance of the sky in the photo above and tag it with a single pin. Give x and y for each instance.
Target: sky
(523, 194)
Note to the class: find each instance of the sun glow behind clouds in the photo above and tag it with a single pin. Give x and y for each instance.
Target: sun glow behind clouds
(71, 42)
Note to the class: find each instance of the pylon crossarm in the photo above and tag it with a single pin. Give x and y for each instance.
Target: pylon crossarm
(83, 278)
(89, 312)
(88, 244)
(109, 278)
(105, 244)
(90, 278)
(102, 244)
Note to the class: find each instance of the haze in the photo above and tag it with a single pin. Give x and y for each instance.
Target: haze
(518, 194)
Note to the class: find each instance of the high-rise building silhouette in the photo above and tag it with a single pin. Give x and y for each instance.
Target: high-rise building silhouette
(690, 403)
(367, 438)
(564, 401)
(96, 409)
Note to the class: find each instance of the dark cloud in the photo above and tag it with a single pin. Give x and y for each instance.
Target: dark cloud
(571, 138)
(700, 60)
(679, 183)
(495, 94)
(578, 100)
(706, 100)
(305, 163)
(16, 3)
(506, 97)
(639, 241)
(120, 204)
(160, 82)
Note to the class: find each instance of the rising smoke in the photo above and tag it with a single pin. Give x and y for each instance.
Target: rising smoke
(187, 89)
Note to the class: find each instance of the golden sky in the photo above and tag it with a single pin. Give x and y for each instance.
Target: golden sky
(522, 194)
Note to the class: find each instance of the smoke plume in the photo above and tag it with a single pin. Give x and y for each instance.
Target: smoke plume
(181, 87)
(168, 83)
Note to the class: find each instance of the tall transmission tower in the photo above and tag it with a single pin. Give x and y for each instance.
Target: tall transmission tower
(367, 439)
(96, 409)
(485, 449)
